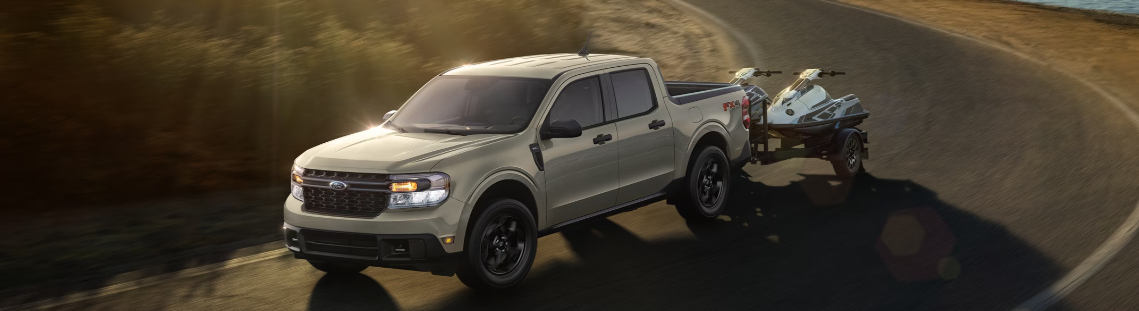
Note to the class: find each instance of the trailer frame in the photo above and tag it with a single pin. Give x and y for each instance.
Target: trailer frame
(815, 147)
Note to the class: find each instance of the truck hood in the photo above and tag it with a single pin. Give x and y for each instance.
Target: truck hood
(385, 151)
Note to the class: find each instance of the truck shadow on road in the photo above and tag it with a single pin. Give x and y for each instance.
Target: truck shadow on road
(349, 292)
(818, 243)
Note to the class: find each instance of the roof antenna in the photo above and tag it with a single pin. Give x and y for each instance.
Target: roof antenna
(585, 50)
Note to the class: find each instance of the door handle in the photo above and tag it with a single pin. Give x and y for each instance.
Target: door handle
(656, 124)
(602, 138)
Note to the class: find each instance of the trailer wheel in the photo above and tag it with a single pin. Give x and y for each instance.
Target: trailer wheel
(847, 158)
(706, 186)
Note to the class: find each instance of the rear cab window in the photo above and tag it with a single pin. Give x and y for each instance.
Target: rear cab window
(633, 92)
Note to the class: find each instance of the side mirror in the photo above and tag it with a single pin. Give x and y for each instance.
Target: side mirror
(389, 115)
(562, 128)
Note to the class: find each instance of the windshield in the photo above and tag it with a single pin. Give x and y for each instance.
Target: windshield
(798, 83)
(794, 87)
(465, 105)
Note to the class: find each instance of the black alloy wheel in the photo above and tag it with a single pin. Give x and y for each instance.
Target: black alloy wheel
(711, 186)
(705, 192)
(500, 246)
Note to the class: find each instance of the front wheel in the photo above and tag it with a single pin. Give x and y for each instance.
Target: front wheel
(500, 247)
(847, 159)
(706, 186)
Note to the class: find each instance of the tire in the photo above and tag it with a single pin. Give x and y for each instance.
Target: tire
(847, 161)
(500, 247)
(337, 267)
(706, 185)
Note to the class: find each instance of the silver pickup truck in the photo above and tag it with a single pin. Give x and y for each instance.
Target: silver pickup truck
(486, 158)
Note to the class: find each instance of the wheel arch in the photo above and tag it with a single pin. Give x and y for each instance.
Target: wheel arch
(504, 184)
(709, 134)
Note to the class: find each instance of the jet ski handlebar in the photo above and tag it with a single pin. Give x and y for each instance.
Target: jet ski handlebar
(768, 73)
(757, 72)
(827, 73)
(742, 75)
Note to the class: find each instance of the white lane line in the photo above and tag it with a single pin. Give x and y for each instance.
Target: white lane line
(741, 38)
(122, 287)
(1113, 244)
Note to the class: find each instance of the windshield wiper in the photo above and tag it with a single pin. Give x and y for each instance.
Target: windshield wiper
(395, 127)
(445, 131)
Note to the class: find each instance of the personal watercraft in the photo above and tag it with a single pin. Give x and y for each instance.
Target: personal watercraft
(805, 109)
(805, 114)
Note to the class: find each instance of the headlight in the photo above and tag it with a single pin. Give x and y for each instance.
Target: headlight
(295, 180)
(419, 190)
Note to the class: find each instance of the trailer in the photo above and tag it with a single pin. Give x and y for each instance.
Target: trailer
(825, 130)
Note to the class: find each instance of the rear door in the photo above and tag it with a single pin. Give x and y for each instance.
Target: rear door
(581, 172)
(645, 131)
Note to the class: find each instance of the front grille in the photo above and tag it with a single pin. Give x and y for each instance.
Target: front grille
(345, 202)
(361, 245)
(345, 176)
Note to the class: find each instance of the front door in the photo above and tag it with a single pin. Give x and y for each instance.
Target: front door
(581, 172)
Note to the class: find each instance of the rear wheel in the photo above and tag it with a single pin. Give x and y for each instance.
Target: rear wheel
(500, 247)
(706, 186)
(847, 159)
(337, 267)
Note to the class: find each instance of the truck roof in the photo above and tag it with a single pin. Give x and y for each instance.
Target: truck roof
(545, 66)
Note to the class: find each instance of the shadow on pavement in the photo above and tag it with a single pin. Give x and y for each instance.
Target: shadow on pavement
(349, 292)
(819, 243)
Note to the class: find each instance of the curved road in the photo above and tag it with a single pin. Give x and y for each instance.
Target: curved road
(990, 178)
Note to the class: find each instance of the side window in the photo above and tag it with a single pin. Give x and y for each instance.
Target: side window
(581, 101)
(633, 92)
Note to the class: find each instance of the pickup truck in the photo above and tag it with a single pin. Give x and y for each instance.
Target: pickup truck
(486, 158)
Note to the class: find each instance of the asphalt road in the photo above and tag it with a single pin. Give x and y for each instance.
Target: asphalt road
(990, 178)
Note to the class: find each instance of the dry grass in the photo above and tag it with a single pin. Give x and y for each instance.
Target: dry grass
(683, 47)
(107, 104)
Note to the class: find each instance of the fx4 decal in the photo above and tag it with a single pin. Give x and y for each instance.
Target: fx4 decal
(731, 105)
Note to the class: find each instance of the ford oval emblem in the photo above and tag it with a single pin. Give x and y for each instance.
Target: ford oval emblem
(338, 185)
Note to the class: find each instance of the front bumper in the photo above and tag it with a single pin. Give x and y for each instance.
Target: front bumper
(439, 222)
(418, 252)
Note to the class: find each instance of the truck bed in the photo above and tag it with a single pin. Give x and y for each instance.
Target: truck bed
(678, 88)
(685, 92)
